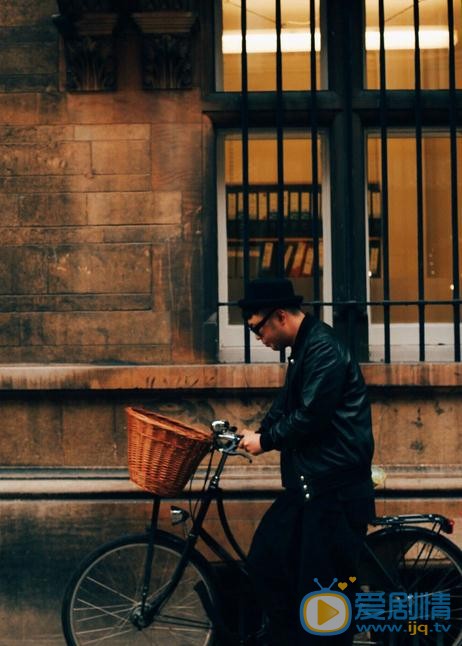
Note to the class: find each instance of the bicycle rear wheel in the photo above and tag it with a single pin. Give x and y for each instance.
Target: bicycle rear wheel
(104, 595)
(421, 564)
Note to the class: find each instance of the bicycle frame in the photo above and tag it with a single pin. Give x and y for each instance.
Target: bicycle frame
(150, 607)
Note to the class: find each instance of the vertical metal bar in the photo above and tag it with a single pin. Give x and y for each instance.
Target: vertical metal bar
(280, 149)
(245, 164)
(314, 161)
(454, 200)
(419, 177)
(280, 144)
(349, 215)
(384, 195)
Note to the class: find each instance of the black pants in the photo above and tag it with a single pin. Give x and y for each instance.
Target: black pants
(298, 541)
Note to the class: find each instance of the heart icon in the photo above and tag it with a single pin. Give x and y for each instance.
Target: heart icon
(342, 585)
(352, 579)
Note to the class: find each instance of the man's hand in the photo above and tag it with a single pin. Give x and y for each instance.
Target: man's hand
(251, 442)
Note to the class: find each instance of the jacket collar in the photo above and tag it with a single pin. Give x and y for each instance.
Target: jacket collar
(302, 334)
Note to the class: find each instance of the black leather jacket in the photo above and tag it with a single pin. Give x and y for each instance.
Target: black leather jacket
(321, 419)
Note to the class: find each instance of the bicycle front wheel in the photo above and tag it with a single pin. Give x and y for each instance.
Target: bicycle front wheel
(103, 597)
(420, 573)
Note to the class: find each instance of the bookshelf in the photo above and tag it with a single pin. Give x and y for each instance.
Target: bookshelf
(262, 229)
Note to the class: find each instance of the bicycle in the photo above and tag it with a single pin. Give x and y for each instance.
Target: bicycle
(156, 588)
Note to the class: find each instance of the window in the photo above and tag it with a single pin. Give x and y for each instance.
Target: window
(305, 231)
(343, 113)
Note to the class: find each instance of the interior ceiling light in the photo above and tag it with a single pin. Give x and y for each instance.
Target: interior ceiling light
(263, 41)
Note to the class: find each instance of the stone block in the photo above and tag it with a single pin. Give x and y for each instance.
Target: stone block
(53, 235)
(74, 183)
(157, 107)
(161, 277)
(142, 233)
(28, 82)
(35, 134)
(127, 157)
(9, 210)
(124, 268)
(47, 159)
(32, 433)
(74, 302)
(177, 157)
(162, 207)
(54, 209)
(88, 433)
(112, 354)
(408, 430)
(23, 270)
(113, 132)
(95, 329)
(18, 108)
(9, 332)
(25, 12)
(28, 58)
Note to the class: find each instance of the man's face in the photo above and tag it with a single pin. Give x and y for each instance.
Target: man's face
(269, 328)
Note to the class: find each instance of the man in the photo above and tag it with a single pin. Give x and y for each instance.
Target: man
(321, 424)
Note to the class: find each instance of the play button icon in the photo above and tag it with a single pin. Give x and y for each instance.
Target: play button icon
(327, 613)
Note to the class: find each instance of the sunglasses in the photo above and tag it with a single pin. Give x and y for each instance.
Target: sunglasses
(256, 328)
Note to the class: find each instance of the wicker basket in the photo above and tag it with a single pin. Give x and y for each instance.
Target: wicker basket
(162, 452)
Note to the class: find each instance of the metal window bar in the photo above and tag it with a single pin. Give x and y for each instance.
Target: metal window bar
(245, 165)
(454, 200)
(280, 148)
(314, 159)
(384, 195)
(419, 179)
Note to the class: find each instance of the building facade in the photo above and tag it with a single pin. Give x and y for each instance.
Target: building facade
(151, 162)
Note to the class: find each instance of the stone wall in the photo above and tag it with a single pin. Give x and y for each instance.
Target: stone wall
(101, 208)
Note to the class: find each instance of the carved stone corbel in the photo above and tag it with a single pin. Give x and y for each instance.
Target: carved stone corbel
(88, 45)
(166, 48)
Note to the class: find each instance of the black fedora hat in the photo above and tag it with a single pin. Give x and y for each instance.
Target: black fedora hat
(269, 292)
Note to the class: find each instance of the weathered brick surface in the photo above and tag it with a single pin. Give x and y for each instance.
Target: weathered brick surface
(23, 270)
(95, 328)
(100, 208)
(35, 134)
(120, 157)
(25, 12)
(115, 132)
(9, 332)
(18, 108)
(100, 269)
(74, 302)
(29, 58)
(52, 209)
(8, 210)
(52, 159)
(161, 207)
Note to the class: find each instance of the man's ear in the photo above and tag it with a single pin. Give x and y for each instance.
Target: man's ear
(282, 315)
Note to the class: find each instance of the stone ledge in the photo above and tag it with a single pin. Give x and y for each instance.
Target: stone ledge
(31, 482)
(206, 377)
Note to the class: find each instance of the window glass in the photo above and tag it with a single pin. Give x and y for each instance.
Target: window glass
(402, 216)
(400, 44)
(261, 45)
(299, 195)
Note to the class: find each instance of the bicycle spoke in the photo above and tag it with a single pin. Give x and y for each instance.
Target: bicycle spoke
(105, 604)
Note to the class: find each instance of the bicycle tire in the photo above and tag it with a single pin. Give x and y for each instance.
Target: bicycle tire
(106, 589)
(417, 561)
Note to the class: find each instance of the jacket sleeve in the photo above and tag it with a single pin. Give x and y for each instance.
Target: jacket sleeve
(275, 412)
(321, 386)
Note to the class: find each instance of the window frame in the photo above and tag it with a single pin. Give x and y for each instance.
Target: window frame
(345, 111)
